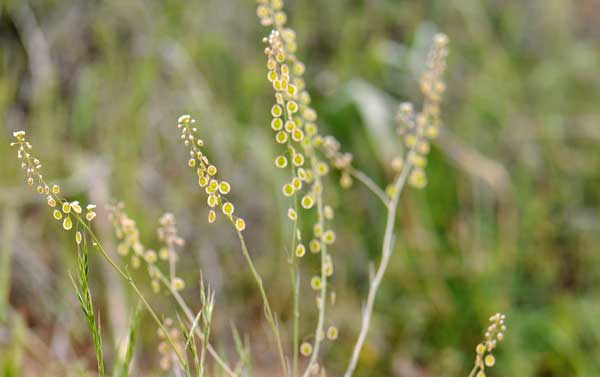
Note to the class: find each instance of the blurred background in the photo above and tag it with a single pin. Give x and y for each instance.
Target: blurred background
(509, 221)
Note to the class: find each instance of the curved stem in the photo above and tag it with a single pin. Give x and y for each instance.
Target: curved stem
(385, 259)
(267, 306)
(370, 184)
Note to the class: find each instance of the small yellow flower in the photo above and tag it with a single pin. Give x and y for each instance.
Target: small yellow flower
(281, 137)
(224, 187)
(150, 256)
(66, 207)
(292, 215)
(51, 201)
(78, 237)
(276, 111)
(489, 360)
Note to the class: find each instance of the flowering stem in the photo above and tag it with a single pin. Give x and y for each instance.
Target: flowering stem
(385, 259)
(323, 297)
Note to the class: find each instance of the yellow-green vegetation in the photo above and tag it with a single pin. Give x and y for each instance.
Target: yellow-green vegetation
(351, 197)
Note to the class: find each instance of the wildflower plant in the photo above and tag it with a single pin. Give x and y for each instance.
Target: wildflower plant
(307, 156)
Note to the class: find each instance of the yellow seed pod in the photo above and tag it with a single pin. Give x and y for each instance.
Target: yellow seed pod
(292, 107)
(329, 237)
(55, 189)
(30, 181)
(480, 374)
(262, 11)
(322, 168)
(212, 216)
(332, 333)
(272, 75)
(276, 111)
(301, 173)
(191, 162)
(40, 190)
(51, 201)
(410, 140)
(78, 237)
(135, 261)
(292, 90)
(202, 181)
(305, 349)
(299, 69)
(280, 18)
(150, 256)
(418, 160)
(66, 207)
(297, 183)
(228, 208)
(328, 269)
(281, 162)
(211, 201)
(285, 69)
(489, 360)
(315, 283)
(276, 124)
(298, 159)
(417, 178)
(290, 126)
(284, 82)
(314, 246)
(211, 170)
(307, 201)
(300, 250)
(90, 215)
(281, 137)
(317, 230)
(177, 284)
(240, 224)
(67, 223)
(480, 349)
(277, 85)
(309, 114)
(224, 187)
(390, 190)
(297, 135)
(291, 214)
(432, 132)
(288, 189)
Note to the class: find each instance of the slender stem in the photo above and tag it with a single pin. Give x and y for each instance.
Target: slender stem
(267, 306)
(295, 275)
(190, 316)
(386, 254)
(370, 184)
(323, 297)
(473, 371)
